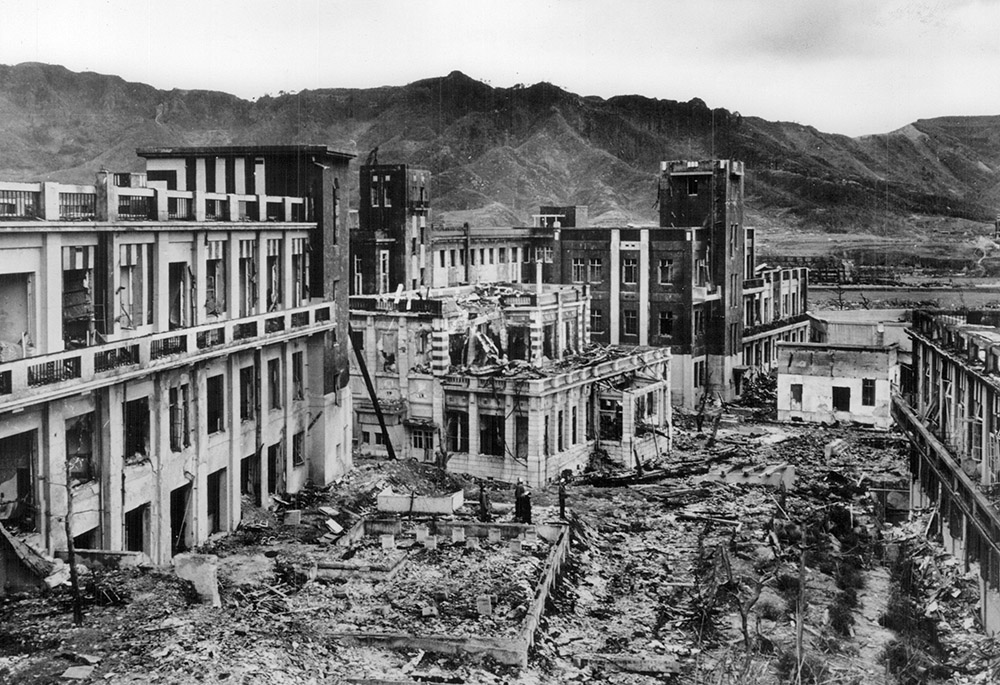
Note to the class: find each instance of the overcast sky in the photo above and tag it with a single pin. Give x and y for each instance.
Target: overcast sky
(843, 66)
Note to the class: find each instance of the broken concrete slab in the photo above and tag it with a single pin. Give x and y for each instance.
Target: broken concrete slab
(202, 570)
(632, 664)
(389, 501)
(78, 672)
(293, 517)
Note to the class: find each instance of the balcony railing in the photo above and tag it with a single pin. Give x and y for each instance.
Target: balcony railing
(34, 379)
(375, 304)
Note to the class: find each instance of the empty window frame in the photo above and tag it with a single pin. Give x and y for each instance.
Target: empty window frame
(215, 399)
(796, 395)
(298, 375)
(299, 448)
(274, 383)
(180, 421)
(579, 270)
(666, 320)
(665, 271)
(841, 398)
(248, 393)
(630, 322)
(596, 270)
(136, 415)
(491, 435)
(868, 392)
(596, 321)
(630, 270)
(457, 431)
(79, 447)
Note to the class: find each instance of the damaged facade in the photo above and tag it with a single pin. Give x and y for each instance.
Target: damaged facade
(828, 383)
(952, 418)
(691, 284)
(170, 342)
(503, 382)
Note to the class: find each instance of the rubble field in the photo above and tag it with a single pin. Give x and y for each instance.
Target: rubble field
(754, 553)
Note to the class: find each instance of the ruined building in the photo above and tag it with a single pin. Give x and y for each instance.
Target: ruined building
(502, 382)
(172, 342)
(952, 418)
(387, 247)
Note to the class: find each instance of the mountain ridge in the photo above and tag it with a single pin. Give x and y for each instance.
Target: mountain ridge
(497, 153)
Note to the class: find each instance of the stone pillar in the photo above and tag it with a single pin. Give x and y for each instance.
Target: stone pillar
(198, 202)
(161, 282)
(233, 511)
(200, 256)
(162, 203)
(109, 420)
(474, 448)
(232, 275)
(645, 269)
(287, 286)
(49, 305)
(614, 301)
(262, 273)
(159, 444)
(50, 201)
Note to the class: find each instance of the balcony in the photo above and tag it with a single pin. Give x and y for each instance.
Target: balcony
(388, 304)
(24, 382)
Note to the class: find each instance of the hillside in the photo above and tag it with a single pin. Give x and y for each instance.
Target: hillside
(497, 153)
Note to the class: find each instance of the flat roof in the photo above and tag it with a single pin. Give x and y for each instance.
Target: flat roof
(240, 150)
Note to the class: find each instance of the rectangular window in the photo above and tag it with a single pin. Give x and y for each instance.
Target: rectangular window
(630, 271)
(698, 373)
(868, 392)
(841, 398)
(630, 317)
(452, 255)
(457, 425)
(692, 185)
(547, 254)
(298, 369)
(274, 382)
(596, 321)
(383, 270)
(423, 439)
(215, 287)
(273, 282)
(699, 321)
(215, 399)
(491, 255)
(386, 187)
(796, 390)
(572, 425)
(179, 419)
(491, 435)
(358, 266)
(299, 448)
(374, 191)
(579, 271)
(596, 270)
(80, 447)
(666, 271)
(137, 428)
(559, 432)
(666, 323)
(502, 255)
(247, 392)
(441, 255)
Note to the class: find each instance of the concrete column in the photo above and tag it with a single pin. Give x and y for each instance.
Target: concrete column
(644, 272)
(52, 472)
(239, 171)
(536, 441)
(232, 276)
(614, 302)
(159, 443)
(50, 201)
(473, 424)
(198, 209)
(109, 421)
(233, 205)
(262, 274)
(161, 282)
(200, 177)
(287, 213)
(48, 301)
(287, 287)
(261, 205)
(200, 270)
(233, 511)
(220, 176)
(162, 203)
(560, 337)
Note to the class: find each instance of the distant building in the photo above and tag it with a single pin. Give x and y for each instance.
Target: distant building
(827, 383)
(172, 342)
(502, 382)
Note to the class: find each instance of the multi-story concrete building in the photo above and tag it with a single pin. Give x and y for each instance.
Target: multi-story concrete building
(171, 342)
(952, 418)
(503, 382)
(691, 283)
(388, 246)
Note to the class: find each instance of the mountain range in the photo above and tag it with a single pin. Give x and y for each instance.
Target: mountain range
(498, 153)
